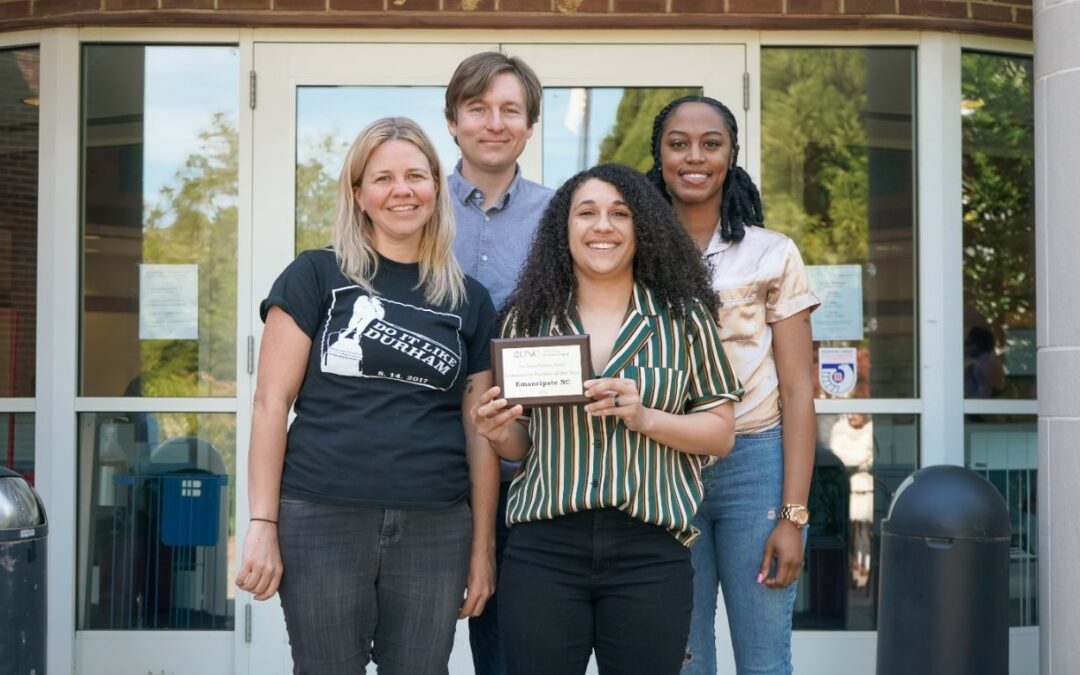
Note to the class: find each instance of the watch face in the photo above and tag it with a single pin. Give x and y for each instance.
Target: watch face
(800, 516)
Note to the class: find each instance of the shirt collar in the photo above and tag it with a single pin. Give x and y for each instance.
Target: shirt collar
(716, 243)
(465, 191)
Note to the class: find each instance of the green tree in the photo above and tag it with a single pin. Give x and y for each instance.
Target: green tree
(630, 139)
(195, 221)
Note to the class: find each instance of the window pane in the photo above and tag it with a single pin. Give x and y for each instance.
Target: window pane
(328, 119)
(17, 441)
(18, 219)
(861, 461)
(584, 126)
(156, 521)
(1004, 450)
(159, 221)
(838, 177)
(997, 114)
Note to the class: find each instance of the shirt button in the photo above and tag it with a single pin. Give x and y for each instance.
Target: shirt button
(486, 218)
(484, 258)
(595, 483)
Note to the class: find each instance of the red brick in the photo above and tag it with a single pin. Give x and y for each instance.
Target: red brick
(813, 6)
(986, 12)
(1023, 16)
(943, 8)
(187, 4)
(755, 6)
(581, 6)
(126, 5)
(358, 5)
(299, 5)
(640, 6)
(468, 5)
(54, 7)
(14, 10)
(412, 5)
(525, 5)
(243, 4)
(869, 6)
(697, 6)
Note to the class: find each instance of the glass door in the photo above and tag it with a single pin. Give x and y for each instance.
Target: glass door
(313, 99)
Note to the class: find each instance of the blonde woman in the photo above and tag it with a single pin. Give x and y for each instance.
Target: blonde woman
(373, 516)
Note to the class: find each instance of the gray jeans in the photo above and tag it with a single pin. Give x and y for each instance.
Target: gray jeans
(376, 584)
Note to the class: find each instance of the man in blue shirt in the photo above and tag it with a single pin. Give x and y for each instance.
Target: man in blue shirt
(492, 103)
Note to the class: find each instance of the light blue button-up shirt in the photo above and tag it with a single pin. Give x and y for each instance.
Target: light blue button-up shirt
(491, 245)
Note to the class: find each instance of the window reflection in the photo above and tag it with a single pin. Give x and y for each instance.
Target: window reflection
(327, 121)
(17, 443)
(159, 221)
(1004, 450)
(997, 113)
(861, 461)
(838, 177)
(156, 521)
(18, 219)
(584, 126)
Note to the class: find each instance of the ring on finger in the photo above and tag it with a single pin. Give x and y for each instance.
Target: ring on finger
(616, 400)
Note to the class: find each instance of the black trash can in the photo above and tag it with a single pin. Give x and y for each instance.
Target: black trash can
(943, 603)
(23, 530)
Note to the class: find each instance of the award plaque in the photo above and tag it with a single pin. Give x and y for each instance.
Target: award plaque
(542, 370)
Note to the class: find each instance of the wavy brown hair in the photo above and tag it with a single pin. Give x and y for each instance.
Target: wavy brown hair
(666, 259)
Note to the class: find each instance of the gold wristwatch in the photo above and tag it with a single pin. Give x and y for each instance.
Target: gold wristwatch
(796, 513)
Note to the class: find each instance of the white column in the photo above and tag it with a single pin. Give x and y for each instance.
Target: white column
(1057, 166)
(58, 329)
(941, 240)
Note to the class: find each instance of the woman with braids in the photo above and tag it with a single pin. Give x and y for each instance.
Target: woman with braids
(754, 508)
(600, 513)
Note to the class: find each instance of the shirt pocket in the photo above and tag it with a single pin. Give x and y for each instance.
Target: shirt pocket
(660, 388)
(742, 315)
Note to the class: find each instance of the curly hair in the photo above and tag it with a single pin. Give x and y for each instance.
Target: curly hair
(666, 260)
(740, 206)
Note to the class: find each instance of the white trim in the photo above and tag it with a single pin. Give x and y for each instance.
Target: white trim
(940, 251)
(18, 405)
(841, 38)
(115, 404)
(997, 45)
(160, 35)
(871, 406)
(22, 38)
(973, 406)
(57, 320)
(585, 36)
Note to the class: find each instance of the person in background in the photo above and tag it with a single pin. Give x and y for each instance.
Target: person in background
(754, 510)
(375, 511)
(600, 514)
(492, 103)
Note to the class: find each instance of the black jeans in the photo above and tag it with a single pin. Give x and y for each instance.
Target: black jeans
(363, 583)
(596, 580)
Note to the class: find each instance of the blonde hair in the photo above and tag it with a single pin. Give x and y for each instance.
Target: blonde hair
(440, 275)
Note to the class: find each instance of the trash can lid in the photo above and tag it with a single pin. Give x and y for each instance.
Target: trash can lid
(949, 502)
(19, 508)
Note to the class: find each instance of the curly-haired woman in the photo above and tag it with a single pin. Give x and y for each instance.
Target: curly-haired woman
(601, 511)
(754, 508)
(376, 511)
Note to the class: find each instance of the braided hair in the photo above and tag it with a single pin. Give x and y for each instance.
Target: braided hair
(740, 205)
(665, 258)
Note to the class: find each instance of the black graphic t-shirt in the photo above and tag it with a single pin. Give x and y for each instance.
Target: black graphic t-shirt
(378, 415)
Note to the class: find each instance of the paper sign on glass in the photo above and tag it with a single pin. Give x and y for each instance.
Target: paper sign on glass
(168, 302)
(542, 370)
(839, 287)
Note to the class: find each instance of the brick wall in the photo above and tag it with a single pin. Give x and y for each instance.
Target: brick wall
(1008, 18)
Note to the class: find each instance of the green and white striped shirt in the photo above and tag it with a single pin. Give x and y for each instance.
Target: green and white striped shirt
(578, 462)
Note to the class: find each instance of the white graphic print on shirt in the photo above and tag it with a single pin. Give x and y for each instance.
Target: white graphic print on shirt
(369, 336)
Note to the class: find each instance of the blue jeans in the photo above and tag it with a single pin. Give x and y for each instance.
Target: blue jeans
(487, 650)
(594, 581)
(738, 512)
(364, 583)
